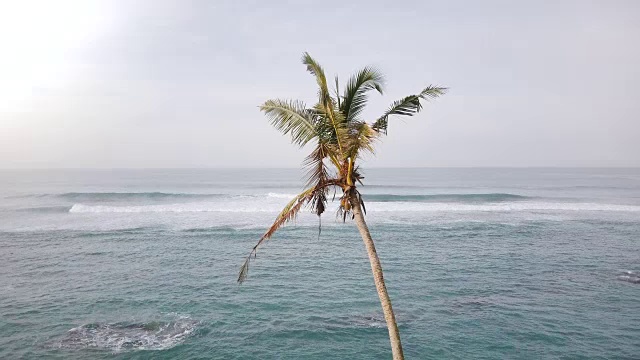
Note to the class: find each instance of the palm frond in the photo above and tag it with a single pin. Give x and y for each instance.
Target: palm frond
(287, 214)
(355, 93)
(364, 208)
(337, 94)
(331, 133)
(326, 103)
(432, 92)
(291, 117)
(407, 106)
(361, 138)
(316, 70)
(317, 176)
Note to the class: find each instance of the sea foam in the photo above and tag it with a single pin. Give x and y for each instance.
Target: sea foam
(121, 337)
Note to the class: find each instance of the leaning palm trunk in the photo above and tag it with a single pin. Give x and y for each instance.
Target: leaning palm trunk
(340, 136)
(378, 278)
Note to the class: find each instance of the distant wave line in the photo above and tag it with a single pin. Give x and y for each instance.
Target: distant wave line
(127, 195)
(480, 197)
(490, 197)
(373, 206)
(112, 196)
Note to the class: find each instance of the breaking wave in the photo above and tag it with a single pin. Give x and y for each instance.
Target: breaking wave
(473, 198)
(132, 196)
(170, 208)
(281, 196)
(397, 206)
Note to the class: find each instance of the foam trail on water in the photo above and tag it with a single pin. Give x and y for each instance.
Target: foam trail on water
(630, 276)
(121, 337)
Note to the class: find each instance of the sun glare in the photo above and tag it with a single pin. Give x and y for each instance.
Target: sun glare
(38, 42)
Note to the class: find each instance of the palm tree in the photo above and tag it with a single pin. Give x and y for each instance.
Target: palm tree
(339, 136)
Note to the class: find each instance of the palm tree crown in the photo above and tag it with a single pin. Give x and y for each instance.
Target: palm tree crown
(339, 135)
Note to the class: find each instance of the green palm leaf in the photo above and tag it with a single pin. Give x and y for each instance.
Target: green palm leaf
(407, 106)
(316, 70)
(326, 103)
(291, 117)
(361, 138)
(354, 99)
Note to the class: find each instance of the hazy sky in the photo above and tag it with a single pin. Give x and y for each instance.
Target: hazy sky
(177, 83)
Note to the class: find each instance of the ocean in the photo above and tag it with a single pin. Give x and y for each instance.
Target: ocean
(479, 263)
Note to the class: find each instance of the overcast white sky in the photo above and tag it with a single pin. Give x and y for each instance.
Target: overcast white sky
(87, 84)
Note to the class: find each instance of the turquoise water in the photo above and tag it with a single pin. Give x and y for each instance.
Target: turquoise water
(480, 263)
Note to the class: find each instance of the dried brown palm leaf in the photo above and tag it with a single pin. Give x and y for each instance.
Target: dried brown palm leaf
(289, 213)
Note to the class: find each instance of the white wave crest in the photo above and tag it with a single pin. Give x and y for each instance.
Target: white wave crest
(170, 208)
(500, 207)
(253, 207)
(281, 196)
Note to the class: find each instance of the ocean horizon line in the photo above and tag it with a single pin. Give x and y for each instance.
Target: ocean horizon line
(301, 167)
